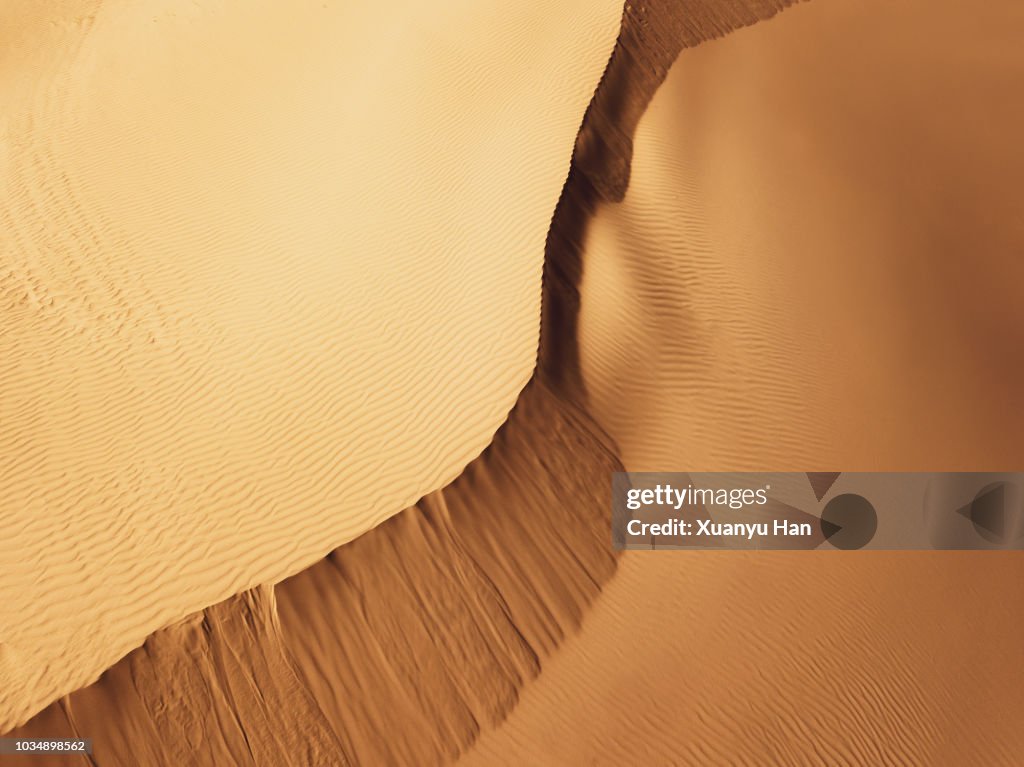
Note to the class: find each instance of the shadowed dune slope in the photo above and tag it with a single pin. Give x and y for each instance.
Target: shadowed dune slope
(408, 642)
(652, 35)
(815, 265)
(455, 602)
(401, 646)
(268, 274)
(817, 259)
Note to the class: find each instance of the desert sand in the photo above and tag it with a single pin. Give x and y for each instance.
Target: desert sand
(818, 260)
(817, 257)
(797, 252)
(268, 275)
(401, 646)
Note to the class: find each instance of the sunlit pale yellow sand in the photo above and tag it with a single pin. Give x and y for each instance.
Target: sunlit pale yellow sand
(268, 273)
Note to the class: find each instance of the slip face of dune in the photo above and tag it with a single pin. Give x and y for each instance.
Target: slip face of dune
(401, 646)
(723, 248)
(268, 274)
(811, 266)
(652, 35)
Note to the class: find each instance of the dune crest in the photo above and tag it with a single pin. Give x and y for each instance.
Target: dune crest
(268, 275)
(401, 646)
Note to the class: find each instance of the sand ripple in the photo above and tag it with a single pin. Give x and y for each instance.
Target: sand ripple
(268, 274)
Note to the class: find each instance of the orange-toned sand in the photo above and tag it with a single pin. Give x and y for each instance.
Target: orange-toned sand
(762, 266)
(400, 647)
(268, 274)
(818, 262)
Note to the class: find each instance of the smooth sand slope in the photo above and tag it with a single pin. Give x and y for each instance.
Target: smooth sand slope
(268, 274)
(817, 261)
(815, 265)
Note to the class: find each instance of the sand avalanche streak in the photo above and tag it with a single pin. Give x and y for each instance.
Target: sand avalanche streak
(325, 325)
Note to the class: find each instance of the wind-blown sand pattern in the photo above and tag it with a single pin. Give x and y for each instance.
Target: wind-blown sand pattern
(808, 256)
(400, 646)
(268, 274)
(669, 315)
(815, 260)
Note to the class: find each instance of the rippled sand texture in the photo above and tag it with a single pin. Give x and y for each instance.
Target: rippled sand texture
(817, 260)
(675, 259)
(401, 646)
(269, 272)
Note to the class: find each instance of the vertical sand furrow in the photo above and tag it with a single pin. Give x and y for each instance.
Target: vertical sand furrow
(409, 643)
(402, 645)
(412, 638)
(268, 275)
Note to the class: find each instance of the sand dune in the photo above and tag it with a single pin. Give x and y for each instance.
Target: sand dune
(268, 274)
(401, 647)
(815, 257)
(736, 658)
(750, 267)
(815, 260)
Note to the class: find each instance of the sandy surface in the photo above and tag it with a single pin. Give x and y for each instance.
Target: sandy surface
(268, 274)
(401, 647)
(798, 253)
(816, 261)
(721, 658)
